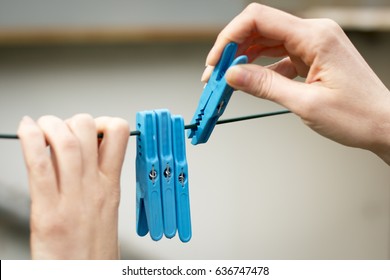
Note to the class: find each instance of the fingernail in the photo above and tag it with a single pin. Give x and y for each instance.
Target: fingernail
(206, 74)
(210, 55)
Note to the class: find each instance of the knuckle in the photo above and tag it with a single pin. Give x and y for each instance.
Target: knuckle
(29, 132)
(330, 24)
(324, 34)
(57, 134)
(313, 104)
(39, 165)
(70, 143)
(46, 119)
(67, 143)
(327, 30)
(262, 84)
(308, 108)
(119, 125)
(104, 199)
(253, 7)
(252, 11)
(50, 224)
(255, 10)
(99, 200)
(82, 120)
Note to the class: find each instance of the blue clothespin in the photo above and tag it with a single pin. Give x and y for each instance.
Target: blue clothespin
(181, 180)
(162, 195)
(215, 96)
(167, 167)
(148, 190)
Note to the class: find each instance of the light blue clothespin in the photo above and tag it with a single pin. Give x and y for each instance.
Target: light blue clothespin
(162, 176)
(167, 167)
(181, 180)
(215, 96)
(148, 188)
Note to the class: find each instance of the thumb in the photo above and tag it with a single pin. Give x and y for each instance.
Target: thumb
(267, 84)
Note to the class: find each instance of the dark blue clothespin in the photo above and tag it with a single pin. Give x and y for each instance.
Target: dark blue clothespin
(162, 176)
(215, 96)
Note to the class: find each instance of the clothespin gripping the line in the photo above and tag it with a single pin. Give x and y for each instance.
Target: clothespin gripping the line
(166, 157)
(215, 96)
(181, 180)
(162, 195)
(148, 189)
(187, 126)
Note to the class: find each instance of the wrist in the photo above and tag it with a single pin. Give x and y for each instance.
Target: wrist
(381, 146)
(384, 150)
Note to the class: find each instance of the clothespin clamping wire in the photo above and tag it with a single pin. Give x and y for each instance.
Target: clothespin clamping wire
(212, 103)
(162, 196)
(215, 96)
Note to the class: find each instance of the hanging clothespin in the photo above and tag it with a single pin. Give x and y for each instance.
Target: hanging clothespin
(181, 180)
(215, 96)
(162, 176)
(148, 187)
(167, 166)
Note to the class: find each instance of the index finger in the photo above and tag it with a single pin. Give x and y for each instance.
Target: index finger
(113, 145)
(266, 22)
(41, 173)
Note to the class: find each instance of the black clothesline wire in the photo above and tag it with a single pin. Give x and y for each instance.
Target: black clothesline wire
(188, 126)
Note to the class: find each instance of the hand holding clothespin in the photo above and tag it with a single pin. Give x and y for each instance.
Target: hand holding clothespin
(161, 166)
(215, 96)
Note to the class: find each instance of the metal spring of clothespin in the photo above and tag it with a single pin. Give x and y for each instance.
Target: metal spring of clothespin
(162, 176)
(215, 96)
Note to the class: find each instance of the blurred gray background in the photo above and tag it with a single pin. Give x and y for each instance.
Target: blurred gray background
(261, 189)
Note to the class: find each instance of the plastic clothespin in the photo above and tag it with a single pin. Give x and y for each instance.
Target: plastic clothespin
(162, 176)
(167, 167)
(215, 96)
(181, 180)
(148, 188)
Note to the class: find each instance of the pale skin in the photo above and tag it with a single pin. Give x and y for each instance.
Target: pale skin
(74, 183)
(341, 97)
(75, 179)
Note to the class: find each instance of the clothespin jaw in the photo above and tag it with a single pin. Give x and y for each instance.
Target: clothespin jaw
(181, 180)
(215, 96)
(148, 191)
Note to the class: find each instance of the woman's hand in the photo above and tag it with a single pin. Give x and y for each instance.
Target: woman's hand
(341, 98)
(74, 182)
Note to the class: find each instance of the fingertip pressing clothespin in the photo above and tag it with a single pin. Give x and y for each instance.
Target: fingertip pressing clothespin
(162, 176)
(215, 96)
